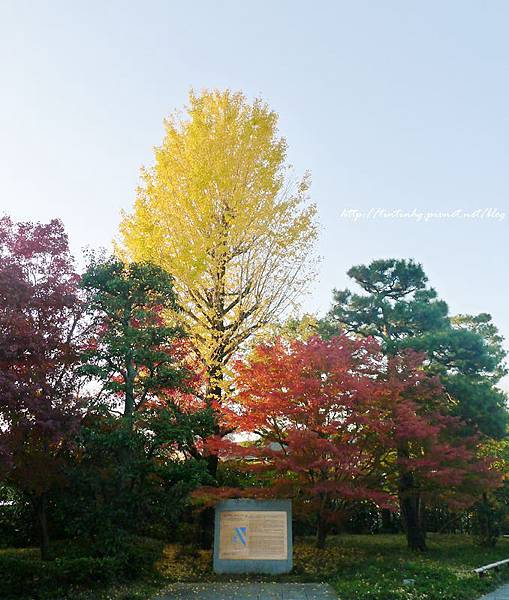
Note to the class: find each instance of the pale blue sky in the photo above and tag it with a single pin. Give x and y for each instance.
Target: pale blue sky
(392, 105)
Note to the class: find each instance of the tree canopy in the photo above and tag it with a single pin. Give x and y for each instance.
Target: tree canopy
(40, 335)
(400, 310)
(222, 213)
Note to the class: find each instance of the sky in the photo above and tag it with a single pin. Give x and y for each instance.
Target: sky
(399, 109)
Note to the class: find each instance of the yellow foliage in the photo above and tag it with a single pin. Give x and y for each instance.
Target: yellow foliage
(220, 211)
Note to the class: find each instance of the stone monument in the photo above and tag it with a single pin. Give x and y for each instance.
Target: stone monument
(253, 536)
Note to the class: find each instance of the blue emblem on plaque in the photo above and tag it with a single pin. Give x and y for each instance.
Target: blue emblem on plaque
(240, 536)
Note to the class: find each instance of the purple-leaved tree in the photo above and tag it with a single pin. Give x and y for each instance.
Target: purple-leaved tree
(40, 325)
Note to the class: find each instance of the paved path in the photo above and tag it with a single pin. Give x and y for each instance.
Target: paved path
(249, 591)
(501, 594)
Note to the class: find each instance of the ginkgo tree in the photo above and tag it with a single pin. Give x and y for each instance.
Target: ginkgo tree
(221, 211)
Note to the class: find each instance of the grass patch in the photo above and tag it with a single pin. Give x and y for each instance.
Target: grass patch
(359, 567)
(382, 564)
(364, 567)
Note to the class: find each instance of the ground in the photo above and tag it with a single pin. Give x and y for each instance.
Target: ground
(249, 591)
(358, 567)
(374, 567)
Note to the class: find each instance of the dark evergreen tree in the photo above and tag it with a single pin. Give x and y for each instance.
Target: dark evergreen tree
(401, 311)
(144, 424)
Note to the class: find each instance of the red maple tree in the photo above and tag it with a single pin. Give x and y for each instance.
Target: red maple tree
(330, 422)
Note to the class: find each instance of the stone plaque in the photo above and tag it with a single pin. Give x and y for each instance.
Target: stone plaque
(260, 535)
(253, 536)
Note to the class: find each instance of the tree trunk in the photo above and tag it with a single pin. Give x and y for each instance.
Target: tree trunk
(214, 396)
(129, 387)
(387, 521)
(206, 530)
(41, 505)
(412, 520)
(487, 525)
(212, 465)
(321, 532)
(411, 505)
(412, 513)
(206, 517)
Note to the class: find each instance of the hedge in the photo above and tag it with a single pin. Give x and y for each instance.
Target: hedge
(24, 578)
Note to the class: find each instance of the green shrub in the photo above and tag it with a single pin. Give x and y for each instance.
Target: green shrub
(139, 556)
(23, 576)
(32, 578)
